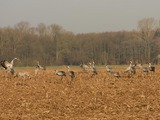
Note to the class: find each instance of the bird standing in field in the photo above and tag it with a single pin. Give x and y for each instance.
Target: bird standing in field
(151, 67)
(84, 67)
(71, 73)
(109, 69)
(131, 69)
(93, 69)
(8, 66)
(38, 68)
(116, 74)
(60, 73)
(23, 75)
(143, 68)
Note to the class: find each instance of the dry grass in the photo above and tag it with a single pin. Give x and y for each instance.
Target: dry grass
(102, 97)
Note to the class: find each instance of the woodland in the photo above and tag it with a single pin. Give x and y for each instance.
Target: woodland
(53, 45)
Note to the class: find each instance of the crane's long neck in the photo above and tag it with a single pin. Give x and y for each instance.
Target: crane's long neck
(90, 65)
(39, 66)
(12, 62)
(38, 63)
(130, 64)
(68, 68)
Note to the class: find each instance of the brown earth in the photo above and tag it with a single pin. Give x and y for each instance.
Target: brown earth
(101, 97)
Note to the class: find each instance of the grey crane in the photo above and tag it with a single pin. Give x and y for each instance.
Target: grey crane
(71, 73)
(84, 67)
(8, 66)
(93, 69)
(131, 68)
(143, 68)
(151, 67)
(116, 74)
(109, 69)
(60, 73)
(23, 75)
(128, 68)
(38, 68)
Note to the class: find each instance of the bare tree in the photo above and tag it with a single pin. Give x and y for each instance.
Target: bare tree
(42, 30)
(147, 29)
(56, 33)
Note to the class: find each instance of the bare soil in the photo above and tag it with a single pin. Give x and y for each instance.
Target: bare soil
(102, 97)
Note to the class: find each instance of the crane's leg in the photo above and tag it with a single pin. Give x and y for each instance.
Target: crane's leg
(61, 78)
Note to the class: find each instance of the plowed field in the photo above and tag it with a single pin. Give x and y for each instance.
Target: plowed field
(102, 97)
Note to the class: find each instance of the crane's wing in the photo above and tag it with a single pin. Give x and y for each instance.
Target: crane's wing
(127, 69)
(8, 65)
(5, 64)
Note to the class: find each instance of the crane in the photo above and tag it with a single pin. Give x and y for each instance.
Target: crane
(143, 68)
(60, 73)
(8, 66)
(38, 68)
(84, 67)
(116, 74)
(151, 67)
(23, 75)
(93, 69)
(109, 69)
(131, 68)
(71, 73)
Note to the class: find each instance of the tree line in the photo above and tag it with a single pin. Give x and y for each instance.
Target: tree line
(53, 45)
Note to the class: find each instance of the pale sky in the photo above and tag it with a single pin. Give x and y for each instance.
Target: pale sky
(79, 16)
